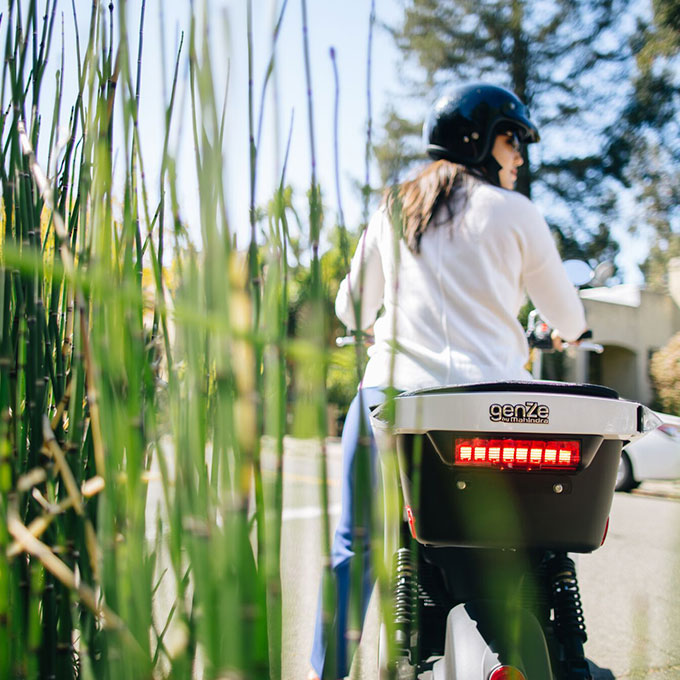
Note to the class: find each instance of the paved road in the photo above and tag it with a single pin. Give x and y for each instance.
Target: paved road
(630, 587)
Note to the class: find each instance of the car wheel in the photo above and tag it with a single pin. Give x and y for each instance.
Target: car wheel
(624, 476)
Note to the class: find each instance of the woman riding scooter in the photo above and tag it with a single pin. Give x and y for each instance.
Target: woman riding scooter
(448, 256)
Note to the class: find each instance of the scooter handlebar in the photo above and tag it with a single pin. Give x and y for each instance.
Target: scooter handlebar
(586, 346)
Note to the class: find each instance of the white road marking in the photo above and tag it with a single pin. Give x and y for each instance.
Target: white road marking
(308, 512)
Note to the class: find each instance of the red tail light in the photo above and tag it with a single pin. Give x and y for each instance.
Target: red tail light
(606, 531)
(522, 454)
(411, 521)
(506, 673)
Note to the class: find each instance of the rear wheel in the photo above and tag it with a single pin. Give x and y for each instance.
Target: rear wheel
(624, 476)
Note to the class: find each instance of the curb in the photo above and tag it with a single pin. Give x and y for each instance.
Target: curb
(668, 490)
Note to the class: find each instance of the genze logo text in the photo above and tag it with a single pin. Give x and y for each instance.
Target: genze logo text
(528, 412)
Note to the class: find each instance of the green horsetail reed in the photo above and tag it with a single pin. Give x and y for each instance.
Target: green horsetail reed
(145, 375)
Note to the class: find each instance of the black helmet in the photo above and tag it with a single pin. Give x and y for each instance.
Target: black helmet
(462, 124)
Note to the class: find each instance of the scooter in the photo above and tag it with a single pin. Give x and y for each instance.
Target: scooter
(496, 484)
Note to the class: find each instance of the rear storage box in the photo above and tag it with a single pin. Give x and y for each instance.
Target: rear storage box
(501, 508)
(455, 505)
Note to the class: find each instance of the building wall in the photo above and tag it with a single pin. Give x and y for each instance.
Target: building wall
(630, 335)
(617, 367)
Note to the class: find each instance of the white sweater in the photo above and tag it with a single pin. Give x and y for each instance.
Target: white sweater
(451, 309)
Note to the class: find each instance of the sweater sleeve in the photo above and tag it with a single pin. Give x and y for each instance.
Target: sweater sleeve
(548, 285)
(364, 285)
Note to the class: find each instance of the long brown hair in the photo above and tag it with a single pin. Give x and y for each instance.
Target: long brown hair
(419, 199)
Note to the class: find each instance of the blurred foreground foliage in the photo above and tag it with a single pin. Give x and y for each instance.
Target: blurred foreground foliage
(344, 363)
(146, 382)
(132, 500)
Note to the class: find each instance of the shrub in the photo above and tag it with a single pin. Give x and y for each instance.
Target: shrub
(665, 372)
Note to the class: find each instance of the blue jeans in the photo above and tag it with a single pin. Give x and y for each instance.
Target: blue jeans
(352, 537)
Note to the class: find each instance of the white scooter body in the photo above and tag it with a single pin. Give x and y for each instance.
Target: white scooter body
(441, 409)
(505, 505)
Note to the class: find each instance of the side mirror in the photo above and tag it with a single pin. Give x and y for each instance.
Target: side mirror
(603, 272)
(579, 272)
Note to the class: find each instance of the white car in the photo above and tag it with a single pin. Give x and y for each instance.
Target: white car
(654, 456)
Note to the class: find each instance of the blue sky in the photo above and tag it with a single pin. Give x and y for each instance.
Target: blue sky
(344, 27)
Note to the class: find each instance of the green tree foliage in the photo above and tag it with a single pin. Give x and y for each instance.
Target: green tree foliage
(665, 371)
(645, 149)
(566, 59)
(659, 198)
(664, 39)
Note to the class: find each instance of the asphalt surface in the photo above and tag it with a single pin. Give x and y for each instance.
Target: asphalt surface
(630, 587)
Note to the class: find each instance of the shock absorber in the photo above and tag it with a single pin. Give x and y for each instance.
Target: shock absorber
(569, 624)
(404, 599)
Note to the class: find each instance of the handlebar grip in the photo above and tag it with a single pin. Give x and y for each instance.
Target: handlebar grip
(588, 346)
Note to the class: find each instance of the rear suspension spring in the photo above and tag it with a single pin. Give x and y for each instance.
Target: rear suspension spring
(404, 598)
(566, 599)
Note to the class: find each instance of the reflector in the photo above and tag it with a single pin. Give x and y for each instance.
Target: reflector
(506, 673)
(522, 454)
(411, 521)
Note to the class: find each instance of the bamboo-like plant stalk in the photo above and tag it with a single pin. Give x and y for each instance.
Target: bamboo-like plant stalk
(108, 375)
